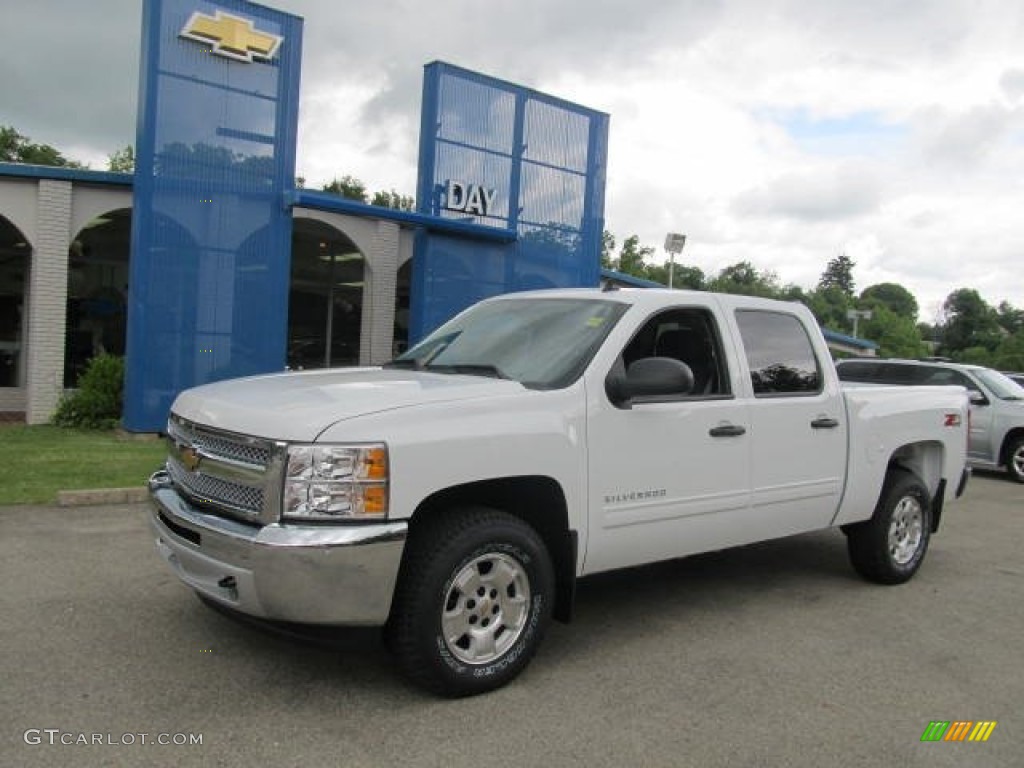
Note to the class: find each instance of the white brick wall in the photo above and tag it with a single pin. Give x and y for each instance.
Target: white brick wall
(380, 279)
(12, 400)
(48, 289)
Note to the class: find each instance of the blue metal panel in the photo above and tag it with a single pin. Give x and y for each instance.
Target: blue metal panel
(211, 236)
(538, 163)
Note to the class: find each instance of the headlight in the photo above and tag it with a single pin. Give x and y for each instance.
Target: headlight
(336, 482)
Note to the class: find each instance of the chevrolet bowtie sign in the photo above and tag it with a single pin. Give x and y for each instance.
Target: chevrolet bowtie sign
(231, 36)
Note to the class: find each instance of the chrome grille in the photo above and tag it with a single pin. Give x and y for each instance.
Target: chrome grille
(236, 448)
(212, 490)
(222, 471)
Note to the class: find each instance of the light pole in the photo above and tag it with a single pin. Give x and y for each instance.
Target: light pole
(855, 315)
(674, 243)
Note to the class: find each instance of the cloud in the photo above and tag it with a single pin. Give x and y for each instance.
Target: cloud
(774, 131)
(966, 139)
(844, 193)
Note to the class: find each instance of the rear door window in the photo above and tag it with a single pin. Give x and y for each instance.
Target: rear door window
(779, 353)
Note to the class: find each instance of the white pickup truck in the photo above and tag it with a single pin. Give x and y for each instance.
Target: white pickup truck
(455, 495)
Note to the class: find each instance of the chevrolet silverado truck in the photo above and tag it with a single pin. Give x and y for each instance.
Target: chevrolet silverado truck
(455, 495)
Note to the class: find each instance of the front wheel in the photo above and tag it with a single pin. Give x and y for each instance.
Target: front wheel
(1015, 459)
(889, 548)
(473, 602)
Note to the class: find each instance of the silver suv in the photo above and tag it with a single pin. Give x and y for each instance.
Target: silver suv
(997, 403)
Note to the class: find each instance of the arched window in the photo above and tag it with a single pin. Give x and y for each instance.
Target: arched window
(326, 298)
(15, 258)
(402, 292)
(97, 291)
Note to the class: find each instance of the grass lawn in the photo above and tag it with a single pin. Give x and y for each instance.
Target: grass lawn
(38, 461)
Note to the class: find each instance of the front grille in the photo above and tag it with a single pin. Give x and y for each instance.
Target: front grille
(215, 492)
(221, 471)
(232, 447)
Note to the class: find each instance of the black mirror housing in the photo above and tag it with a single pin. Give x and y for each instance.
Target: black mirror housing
(648, 377)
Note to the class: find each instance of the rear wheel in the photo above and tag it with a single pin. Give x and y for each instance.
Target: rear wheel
(473, 602)
(889, 548)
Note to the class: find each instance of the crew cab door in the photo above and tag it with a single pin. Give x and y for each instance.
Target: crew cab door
(668, 475)
(798, 424)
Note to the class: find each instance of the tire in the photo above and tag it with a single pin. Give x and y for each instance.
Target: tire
(473, 601)
(889, 548)
(1015, 459)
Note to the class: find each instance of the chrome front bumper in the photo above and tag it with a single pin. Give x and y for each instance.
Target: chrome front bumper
(342, 575)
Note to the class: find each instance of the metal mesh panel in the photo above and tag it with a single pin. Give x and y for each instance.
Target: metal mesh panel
(552, 196)
(216, 492)
(542, 162)
(249, 452)
(215, 150)
(491, 170)
(556, 136)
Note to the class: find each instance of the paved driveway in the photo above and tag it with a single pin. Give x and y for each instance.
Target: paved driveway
(771, 655)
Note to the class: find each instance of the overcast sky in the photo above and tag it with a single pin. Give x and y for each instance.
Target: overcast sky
(778, 132)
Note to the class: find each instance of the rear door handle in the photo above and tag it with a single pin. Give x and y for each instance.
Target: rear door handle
(729, 430)
(825, 423)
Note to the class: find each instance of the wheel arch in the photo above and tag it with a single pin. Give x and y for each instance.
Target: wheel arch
(538, 501)
(925, 460)
(1008, 440)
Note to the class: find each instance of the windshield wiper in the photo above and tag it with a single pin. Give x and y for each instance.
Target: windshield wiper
(470, 369)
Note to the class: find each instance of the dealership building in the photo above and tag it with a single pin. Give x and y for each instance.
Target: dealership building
(208, 263)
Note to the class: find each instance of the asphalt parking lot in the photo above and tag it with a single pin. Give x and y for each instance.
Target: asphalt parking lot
(770, 655)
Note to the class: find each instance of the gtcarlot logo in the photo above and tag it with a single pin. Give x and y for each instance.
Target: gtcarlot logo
(958, 730)
(59, 737)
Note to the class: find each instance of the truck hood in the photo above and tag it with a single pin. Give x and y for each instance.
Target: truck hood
(299, 406)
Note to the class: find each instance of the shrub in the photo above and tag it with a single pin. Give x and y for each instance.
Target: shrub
(97, 402)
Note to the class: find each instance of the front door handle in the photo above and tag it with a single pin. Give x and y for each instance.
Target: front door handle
(729, 430)
(825, 422)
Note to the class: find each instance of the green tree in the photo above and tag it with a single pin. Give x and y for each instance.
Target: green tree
(838, 274)
(607, 249)
(683, 276)
(895, 334)
(348, 187)
(15, 148)
(393, 200)
(745, 279)
(830, 305)
(970, 324)
(122, 161)
(1009, 355)
(689, 277)
(1010, 318)
(892, 296)
(630, 260)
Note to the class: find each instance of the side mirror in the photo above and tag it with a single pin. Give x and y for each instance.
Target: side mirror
(976, 397)
(649, 377)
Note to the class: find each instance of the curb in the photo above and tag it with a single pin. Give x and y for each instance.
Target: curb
(96, 497)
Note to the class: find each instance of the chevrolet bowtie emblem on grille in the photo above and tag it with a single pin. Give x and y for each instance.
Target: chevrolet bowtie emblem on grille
(189, 457)
(231, 36)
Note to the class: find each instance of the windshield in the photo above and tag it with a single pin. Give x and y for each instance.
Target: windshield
(541, 343)
(999, 385)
